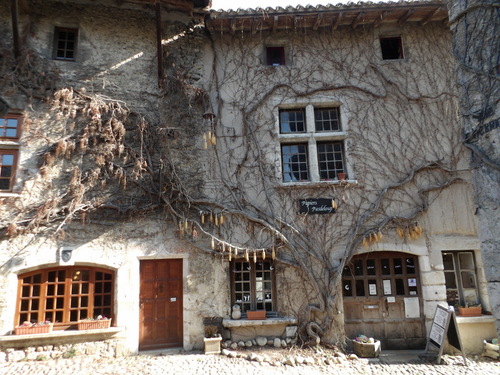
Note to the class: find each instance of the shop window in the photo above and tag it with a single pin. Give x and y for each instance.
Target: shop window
(65, 42)
(253, 285)
(460, 278)
(392, 48)
(65, 295)
(312, 144)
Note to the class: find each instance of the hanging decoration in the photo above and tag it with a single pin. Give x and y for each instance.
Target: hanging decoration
(412, 231)
(371, 238)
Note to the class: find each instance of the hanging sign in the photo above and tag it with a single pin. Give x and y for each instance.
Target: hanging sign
(317, 206)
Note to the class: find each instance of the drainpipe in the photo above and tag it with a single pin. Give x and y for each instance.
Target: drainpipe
(159, 48)
(15, 28)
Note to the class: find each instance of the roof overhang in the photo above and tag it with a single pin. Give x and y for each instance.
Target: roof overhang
(327, 16)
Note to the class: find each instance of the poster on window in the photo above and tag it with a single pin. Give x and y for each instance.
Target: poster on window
(387, 287)
(412, 307)
(373, 289)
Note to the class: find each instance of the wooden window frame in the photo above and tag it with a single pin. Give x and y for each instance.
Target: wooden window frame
(61, 292)
(3, 127)
(253, 304)
(65, 49)
(12, 177)
(456, 294)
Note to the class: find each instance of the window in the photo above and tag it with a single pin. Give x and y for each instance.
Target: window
(8, 162)
(460, 278)
(65, 41)
(392, 48)
(275, 56)
(252, 285)
(10, 132)
(65, 295)
(312, 144)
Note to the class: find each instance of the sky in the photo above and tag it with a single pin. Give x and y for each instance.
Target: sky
(235, 4)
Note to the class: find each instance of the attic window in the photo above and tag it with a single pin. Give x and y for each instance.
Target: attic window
(392, 48)
(65, 41)
(275, 56)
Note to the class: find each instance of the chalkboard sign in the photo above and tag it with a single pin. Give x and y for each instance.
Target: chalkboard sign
(444, 325)
(317, 206)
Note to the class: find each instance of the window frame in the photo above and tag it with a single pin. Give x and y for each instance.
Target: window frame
(45, 295)
(279, 50)
(12, 178)
(19, 119)
(457, 273)
(253, 303)
(402, 52)
(314, 135)
(57, 39)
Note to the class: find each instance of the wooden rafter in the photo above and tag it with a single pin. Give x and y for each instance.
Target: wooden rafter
(430, 16)
(381, 17)
(317, 23)
(405, 17)
(337, 21)
(358, 19)
(274, 25)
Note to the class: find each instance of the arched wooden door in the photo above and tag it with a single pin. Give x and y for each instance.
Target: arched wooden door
(383, 299)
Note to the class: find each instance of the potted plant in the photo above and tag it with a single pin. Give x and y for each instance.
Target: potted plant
(212, 340)
(28, 328)
(470, 310)
(90, 323)
(366, 347)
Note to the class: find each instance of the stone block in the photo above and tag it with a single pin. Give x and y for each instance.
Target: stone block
(291, 331)
(16, 355)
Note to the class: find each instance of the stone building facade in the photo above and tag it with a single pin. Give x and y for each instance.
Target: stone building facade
(302, 161)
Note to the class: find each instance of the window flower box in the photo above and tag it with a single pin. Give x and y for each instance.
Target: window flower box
(470, 311)
(256, 315)
(93, 324)
(33, 328)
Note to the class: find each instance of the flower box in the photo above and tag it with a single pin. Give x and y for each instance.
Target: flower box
(366, 350)
(470, 311)
(94, 324)
(30, 330)
(212, 345)
(256, 315)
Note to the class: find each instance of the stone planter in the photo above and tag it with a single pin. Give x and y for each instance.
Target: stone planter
(30, 330)
(469, 311)
(366, 350)
(256, 315)
(93, 324)
(212, 345)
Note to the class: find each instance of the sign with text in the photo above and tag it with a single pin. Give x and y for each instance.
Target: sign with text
(317, 206)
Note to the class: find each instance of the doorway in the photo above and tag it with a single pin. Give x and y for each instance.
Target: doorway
(160, 304)
(382, 299)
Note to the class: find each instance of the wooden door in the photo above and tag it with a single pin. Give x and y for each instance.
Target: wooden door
(382, 299)
(160, 304)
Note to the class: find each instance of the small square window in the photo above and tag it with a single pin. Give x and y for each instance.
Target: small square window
(10, 127)
(65, 41)
(330, 160)
(275, 56)
(392, 48)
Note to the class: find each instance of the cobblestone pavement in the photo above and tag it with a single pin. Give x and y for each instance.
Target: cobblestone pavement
(197, 364)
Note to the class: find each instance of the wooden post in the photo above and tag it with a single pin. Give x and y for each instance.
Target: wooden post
(159, 48)
(15, 28)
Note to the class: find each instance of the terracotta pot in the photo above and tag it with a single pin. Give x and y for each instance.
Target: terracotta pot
(342, 176)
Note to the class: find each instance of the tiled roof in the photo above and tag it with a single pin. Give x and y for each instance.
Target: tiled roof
(333, 16)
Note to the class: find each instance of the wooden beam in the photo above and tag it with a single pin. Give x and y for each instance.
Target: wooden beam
(430, 16)
(159, 47)
(319, 18)
(337, 21)
(358, 19)
(15, 27)
(296, 21)
(232, 25)
(255, 25)
(381, 17)
(405, 17)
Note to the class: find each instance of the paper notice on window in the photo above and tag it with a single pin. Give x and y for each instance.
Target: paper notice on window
(412, 307)
(387, 287)
(373, 289)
